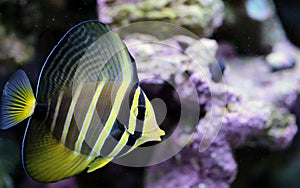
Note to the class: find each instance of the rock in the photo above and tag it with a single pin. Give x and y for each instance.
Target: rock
(202, 16)
(253, 110)
(269, 126)
(279, 61)
(215, 167)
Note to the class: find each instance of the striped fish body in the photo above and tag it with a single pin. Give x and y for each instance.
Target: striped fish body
(91, 118)
(88, 109)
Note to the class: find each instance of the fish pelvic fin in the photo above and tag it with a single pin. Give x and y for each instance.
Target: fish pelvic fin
(99, 162)
(18, 101)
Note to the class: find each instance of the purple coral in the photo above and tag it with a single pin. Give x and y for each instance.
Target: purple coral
(247, 121)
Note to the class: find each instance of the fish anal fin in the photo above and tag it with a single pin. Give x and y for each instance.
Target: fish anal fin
(99, 162)
(47, 160)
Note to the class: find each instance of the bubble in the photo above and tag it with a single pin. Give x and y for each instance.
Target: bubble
(184, 88)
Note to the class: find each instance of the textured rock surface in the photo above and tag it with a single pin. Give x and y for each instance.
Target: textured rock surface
(201, 16)
(255, 109)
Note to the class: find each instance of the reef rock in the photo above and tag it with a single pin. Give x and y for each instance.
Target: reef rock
(249, 107)
(201, 16)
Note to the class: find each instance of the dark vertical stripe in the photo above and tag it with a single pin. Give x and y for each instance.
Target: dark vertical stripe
(124, 112)
(139, 127)
(131, 141)
(105, 113)
(113, 138)
(141, 114)
(100, 115)
(80, 111)
(72, 134)
(119, 125)
(103, 110)
(133, 138)
(62, 114)
(85, 148)
(52, 103)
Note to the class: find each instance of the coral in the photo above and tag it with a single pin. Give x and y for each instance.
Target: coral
(254, 108)
(200, 16)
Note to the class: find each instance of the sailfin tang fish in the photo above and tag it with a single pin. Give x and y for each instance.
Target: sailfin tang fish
(88, 107)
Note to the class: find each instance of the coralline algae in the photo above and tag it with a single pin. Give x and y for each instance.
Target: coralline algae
(201, 16)
(252, 111)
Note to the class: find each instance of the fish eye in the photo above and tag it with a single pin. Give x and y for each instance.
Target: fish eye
(140, 112)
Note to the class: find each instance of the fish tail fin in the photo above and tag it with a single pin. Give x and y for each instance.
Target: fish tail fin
(18, 101)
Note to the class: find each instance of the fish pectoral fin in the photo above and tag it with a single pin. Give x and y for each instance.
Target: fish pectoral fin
(99, 162)
(46, 159)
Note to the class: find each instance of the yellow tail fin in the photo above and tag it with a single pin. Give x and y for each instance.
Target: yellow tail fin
(17, 102)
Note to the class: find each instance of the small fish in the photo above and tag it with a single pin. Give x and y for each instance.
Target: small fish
(88, 107)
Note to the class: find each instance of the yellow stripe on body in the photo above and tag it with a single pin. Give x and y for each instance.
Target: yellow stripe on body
(138, 141)
(115, 108)
(132, 124)
(58, 103)
(132, 119)
(136, 144)
(70, 113)
(88, 117)
(121, 143)
(112, 117)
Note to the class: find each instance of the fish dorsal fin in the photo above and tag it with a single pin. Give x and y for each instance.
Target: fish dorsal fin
(89, 51)
(47, 160)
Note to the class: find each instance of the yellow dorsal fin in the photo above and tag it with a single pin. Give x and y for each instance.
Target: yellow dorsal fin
(99, 162)
(47, 160)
